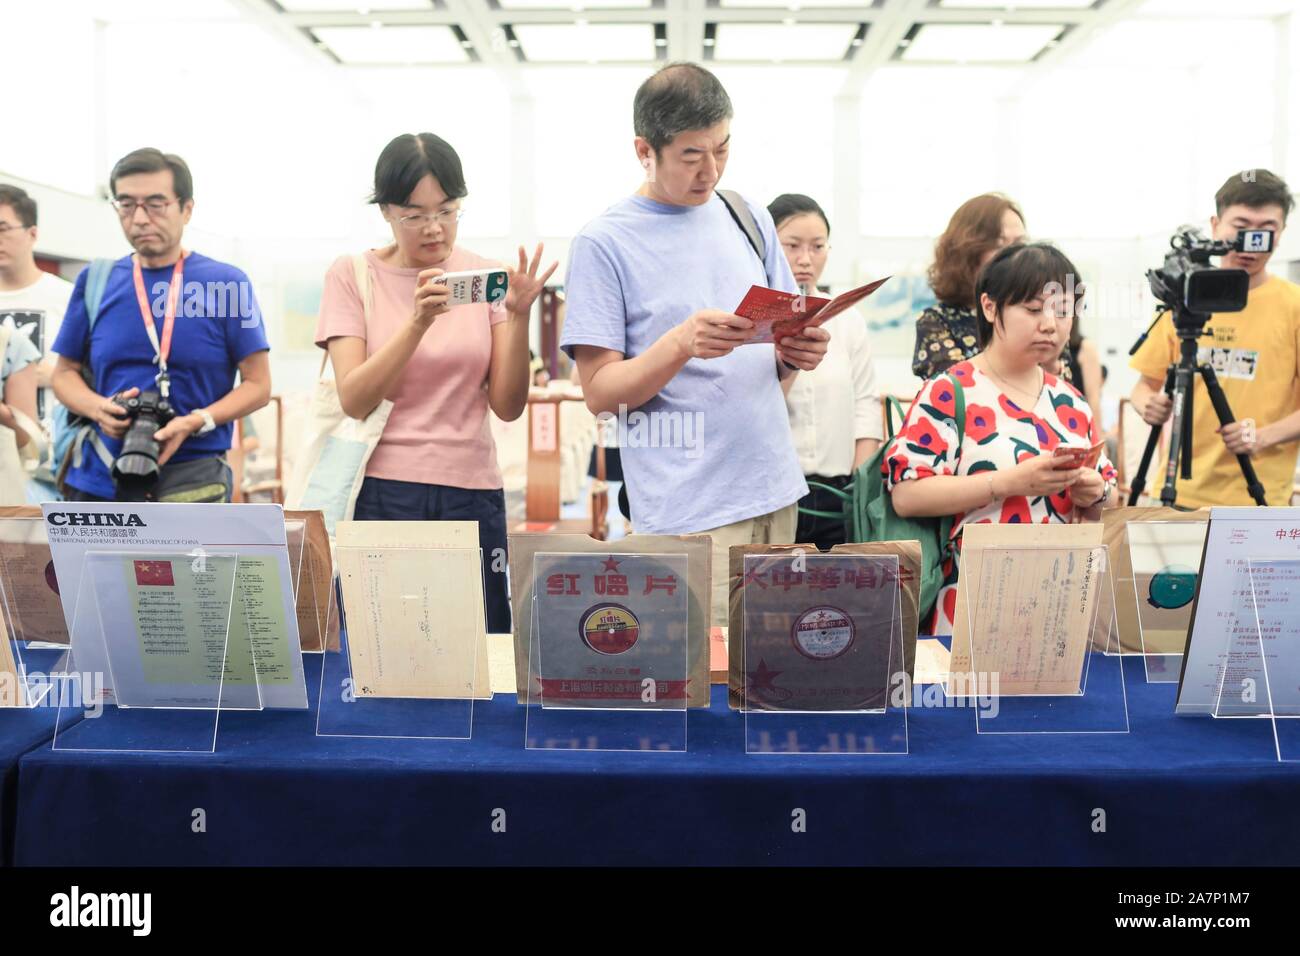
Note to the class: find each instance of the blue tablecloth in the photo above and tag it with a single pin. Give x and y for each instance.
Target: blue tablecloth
(1173, 791)
(21, 729)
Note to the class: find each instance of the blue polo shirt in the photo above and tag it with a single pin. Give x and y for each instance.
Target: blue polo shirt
(218, 325)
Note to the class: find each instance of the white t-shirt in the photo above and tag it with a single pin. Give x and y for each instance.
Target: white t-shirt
(37, 312)
(837, 403)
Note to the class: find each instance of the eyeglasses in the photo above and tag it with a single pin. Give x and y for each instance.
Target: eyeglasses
(10, 227)
(420, 220)
(126, 207)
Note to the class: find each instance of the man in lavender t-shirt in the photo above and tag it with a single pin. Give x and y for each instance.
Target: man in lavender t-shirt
(705, 437)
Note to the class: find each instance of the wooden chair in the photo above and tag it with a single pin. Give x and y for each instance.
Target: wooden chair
(272, 486)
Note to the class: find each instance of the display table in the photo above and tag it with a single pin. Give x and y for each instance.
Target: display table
(21, 730)
(1175, 791)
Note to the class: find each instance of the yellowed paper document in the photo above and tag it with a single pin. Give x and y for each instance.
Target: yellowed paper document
(1026, 600)
(413, 601)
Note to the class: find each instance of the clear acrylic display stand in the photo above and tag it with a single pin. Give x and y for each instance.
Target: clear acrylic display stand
(1164, 557)
(1035, 668)
(1260, 673)
(412, 654)
(822, 655)
(152, 651)
(17, 688)
(608, 664)
(32, 608)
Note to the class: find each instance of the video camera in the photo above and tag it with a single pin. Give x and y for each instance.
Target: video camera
(1191, 288)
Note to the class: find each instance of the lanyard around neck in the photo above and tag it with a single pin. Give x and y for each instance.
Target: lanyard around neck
(161, 349)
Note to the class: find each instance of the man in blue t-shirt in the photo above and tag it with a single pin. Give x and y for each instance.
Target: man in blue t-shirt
(215, 331)
(706, 447)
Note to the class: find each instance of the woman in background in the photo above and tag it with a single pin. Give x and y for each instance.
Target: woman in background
(1003, 469)
(835, 415)
(946, 331)
(442, 366)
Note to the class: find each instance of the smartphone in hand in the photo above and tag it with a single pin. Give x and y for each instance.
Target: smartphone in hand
(476, 286)
(1071, 456)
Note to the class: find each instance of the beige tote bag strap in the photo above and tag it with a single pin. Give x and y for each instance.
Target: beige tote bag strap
(361, 272)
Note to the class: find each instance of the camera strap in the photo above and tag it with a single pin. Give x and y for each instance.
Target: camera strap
(163, 349)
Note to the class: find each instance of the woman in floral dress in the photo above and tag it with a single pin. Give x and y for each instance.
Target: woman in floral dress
(1017, 415)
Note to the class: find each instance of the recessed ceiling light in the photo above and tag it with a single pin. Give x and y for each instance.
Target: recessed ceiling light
(793, 4)
(979, 43)
(575, 7)
(393, 44)
(586, 42)
(351, 6)
(783, 41)
(1016, 4)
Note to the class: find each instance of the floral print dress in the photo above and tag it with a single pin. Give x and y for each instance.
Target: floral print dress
(999, 434)
(945, 334)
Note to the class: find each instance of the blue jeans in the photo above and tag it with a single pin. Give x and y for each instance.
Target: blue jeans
(385, 499)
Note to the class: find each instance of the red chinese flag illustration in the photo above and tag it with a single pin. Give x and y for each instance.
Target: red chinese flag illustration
(156, 574)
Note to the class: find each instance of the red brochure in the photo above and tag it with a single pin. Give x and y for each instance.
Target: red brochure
(778, 314)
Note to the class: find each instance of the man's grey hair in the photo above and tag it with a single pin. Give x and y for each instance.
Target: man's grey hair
(679, 97)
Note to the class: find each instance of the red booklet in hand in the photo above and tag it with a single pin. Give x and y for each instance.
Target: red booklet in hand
(778, 314)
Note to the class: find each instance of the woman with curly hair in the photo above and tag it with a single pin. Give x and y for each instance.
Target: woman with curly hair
(946, 331)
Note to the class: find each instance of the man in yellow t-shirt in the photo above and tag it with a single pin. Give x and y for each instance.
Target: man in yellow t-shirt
(1255, 354)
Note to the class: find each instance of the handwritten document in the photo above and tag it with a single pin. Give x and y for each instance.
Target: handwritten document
(413, 605)
(1033, 618)
(1018, 585)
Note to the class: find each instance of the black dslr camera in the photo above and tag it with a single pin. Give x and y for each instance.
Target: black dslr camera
(1191, 288)
(136, 468)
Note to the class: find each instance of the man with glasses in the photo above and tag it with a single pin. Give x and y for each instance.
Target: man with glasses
(161, 325)
(32, 303)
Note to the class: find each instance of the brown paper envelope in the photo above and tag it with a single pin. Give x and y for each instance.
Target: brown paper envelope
(909, 560)
(314, 582)
(697, 547)
(35, 608)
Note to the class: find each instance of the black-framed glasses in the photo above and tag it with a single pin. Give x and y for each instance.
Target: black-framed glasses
(10, 227)
(419, 220)
(126, 207)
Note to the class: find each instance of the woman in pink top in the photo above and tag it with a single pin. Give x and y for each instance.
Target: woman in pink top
(442, 366)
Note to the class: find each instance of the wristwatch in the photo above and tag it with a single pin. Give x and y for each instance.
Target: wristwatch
(1105, 496)
(208, 422)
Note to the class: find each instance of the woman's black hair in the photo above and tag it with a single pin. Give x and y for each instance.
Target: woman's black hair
(788, 205)
(409, 158)
(1022, 272)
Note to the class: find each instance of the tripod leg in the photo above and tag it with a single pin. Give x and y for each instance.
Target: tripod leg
(1224, 412)
(1182, 398)
(1139, 483)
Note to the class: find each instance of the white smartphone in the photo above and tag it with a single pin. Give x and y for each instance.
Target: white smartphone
(476, 286)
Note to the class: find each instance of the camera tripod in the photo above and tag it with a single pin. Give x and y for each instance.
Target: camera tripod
(1178, 385)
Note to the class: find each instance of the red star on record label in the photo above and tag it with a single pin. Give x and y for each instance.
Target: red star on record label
(822, 633)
